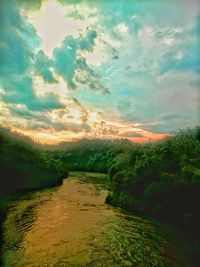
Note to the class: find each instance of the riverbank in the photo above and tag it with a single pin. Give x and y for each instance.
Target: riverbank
(161, 180)
(71, 225)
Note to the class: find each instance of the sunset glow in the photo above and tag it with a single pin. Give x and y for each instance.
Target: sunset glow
(100, 69)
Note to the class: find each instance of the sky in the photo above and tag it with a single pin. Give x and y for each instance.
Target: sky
(72, 69)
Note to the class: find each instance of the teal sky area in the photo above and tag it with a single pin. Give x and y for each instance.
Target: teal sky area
(113, 69)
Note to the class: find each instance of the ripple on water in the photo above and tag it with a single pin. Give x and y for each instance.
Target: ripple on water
(72, 226)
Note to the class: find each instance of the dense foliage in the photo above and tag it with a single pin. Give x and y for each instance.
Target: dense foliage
(23, 165)
(93, 155)
(161, 179)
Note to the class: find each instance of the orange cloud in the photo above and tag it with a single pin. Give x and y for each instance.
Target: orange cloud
(101, 129)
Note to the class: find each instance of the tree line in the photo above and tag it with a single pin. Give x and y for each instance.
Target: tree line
(160, 179)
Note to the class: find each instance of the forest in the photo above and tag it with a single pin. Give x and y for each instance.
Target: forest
(157, 179)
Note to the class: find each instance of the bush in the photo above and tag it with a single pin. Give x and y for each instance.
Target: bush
(162, 180)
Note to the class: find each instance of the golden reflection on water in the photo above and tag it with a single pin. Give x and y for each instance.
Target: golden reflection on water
(72, 226)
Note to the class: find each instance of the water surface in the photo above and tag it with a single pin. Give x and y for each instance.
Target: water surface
(72, 226)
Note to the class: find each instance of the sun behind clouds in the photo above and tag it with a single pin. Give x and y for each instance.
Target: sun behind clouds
(99, 69)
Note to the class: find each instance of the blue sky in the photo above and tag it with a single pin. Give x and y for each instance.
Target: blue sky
(76, 69)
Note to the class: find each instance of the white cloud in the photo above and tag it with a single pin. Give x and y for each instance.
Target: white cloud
(121, 28)
(53, 25)
(59, 89)
(101, 50)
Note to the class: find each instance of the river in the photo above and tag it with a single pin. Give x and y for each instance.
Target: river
(71, 225)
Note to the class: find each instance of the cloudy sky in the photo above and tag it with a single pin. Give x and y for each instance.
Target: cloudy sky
(72, 69)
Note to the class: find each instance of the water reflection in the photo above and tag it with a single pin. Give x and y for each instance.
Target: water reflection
(72, 226)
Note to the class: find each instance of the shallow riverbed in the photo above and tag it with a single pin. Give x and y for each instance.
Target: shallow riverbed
(71, 225)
